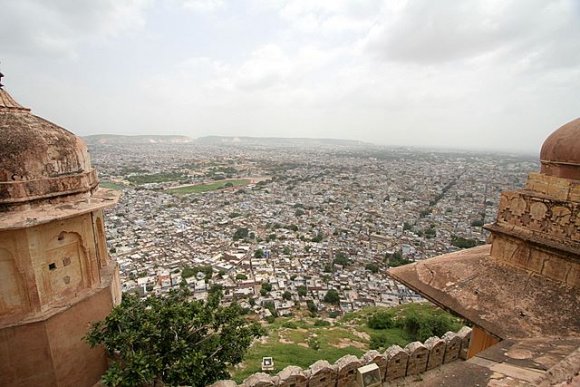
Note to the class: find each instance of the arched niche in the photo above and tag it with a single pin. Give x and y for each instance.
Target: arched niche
(66, 265)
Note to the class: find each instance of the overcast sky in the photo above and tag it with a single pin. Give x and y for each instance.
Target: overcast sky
(498, 74)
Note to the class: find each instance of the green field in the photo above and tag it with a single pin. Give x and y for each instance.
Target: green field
(160, 177)
(200, 188)
(111, 185)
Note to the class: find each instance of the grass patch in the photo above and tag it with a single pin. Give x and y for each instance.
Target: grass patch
(200, 188)
(160, 177)
(289, 354)
(111, 185)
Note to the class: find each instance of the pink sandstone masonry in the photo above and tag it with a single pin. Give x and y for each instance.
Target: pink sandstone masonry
(394, 363)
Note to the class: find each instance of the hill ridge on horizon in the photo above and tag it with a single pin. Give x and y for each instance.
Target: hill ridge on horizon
(210, 139)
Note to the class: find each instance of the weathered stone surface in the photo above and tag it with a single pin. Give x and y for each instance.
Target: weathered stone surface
(292, 376)
(38, 159)
(259, 380)
(55, 270)
(550, 218)
(224, 383)
(346, 370)
(452, 347)
(322, 374)
(465, 335)
(436, 347)
(377, 358)
(418, 356)
(542, 309)
(397, 360)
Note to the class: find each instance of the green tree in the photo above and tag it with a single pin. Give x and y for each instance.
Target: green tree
(318, 238)
(259, 253)
(287, 295)
(267, 286)
(332, 297)
(311, 306)
(381, 320)
(477, 223)
(464, 243)
(341, 259)
(372, 267)
(302, 291)
(172, 339)
(241, 276)
(241, 233)
(189, 271)
(422, 325)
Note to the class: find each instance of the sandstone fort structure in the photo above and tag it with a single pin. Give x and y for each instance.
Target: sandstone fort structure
(56, 276)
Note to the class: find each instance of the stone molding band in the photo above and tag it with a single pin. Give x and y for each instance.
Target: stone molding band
(24, 191)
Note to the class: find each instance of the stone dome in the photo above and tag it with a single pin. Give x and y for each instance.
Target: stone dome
(560, 154)
(39, 159)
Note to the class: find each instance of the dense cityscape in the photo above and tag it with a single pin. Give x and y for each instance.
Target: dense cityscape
(283, 227)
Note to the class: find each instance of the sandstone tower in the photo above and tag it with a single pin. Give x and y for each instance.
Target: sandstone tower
(55, 272)
(524, 287)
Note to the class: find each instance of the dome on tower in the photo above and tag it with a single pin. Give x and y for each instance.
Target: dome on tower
(39, 159)
(560, 154)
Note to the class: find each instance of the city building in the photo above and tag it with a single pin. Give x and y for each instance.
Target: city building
(56, 276)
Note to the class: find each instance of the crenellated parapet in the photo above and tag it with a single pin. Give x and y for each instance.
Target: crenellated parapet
(394, 363)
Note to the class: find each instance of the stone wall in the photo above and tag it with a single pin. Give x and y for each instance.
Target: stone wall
(394, 363)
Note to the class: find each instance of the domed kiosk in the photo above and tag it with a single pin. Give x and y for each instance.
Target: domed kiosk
(560, 155)
(522, 291)
(56, 276)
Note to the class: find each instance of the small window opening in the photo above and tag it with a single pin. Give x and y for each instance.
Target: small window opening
(61, 236)
(52, 266)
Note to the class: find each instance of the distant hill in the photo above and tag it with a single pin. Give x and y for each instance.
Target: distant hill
(144, 139)
(279, 141)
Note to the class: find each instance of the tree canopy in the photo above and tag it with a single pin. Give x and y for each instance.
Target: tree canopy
(241, 233)
(332, 297)
(341, 259)
(172, 339)
(189, 271)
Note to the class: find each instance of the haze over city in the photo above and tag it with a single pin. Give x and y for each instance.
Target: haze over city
(495, 75)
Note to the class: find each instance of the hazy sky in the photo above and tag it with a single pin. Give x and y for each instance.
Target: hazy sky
(475, 74)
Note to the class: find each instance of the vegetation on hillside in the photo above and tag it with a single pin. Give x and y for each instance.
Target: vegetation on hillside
(172, 339)
(302, 340)
(464, 243)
